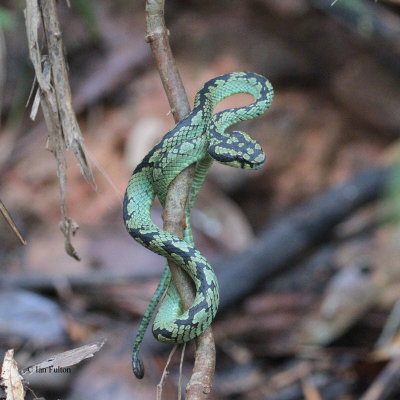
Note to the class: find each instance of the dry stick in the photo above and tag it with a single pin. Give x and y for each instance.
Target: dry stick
(165, 373)
(180, 372)
(178, 193)
(70, 128)
(11, 223)
(55, 99)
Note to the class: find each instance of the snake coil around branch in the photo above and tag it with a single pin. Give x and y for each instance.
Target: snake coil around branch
(199, 139)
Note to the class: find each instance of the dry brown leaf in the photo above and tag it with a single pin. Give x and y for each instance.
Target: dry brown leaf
(10, 378)
(68, 358)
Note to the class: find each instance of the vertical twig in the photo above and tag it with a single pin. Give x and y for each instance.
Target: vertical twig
(180, 372)
(165, 374)
(178, 193)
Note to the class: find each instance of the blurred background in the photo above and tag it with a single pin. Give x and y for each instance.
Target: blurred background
(306, 249)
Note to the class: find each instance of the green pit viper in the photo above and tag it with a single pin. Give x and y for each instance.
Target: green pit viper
(199, 138)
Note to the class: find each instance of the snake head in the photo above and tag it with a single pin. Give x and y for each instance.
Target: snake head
(137, 365)
(236, 149)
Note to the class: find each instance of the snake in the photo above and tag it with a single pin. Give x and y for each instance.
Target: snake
(200, 138)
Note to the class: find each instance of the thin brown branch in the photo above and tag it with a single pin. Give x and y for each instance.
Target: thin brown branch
(157, 35)
(178, 193)
(11, 223)
(180, 372)
(165, 373)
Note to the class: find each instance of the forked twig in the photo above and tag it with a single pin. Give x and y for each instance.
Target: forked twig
(180, 372)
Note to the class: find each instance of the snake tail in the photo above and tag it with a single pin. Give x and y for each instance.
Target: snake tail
(137, 363)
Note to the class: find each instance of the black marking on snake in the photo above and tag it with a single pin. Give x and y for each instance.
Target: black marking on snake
(187, 256)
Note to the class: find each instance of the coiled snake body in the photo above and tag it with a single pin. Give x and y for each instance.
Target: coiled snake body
(199, 138)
